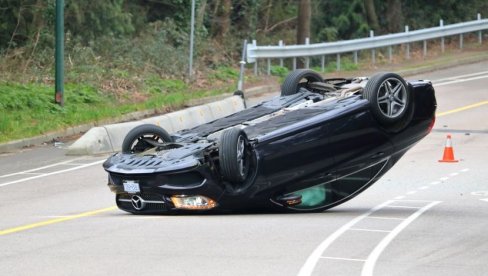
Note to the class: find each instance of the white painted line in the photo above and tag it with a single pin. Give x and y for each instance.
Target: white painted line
(464, 170)
(343, 259)
(402, 207)
(31, 173)
(374, 255)
(461, 80)
(443, 178)
(399, 197)
(484, 199)
(52, 173)
(411, 192)
(424, 188)
(392, 218)
(460, 76)
(453, 174)
(368, 230)
(312, 260)
(435, 183)
(41, 168)
(416, 200)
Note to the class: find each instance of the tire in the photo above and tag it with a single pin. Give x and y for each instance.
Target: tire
(390, 100)
(293, 82)
(144, 137)
(234, 155)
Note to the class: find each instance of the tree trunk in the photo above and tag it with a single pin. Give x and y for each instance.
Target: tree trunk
(303, 25)
(200, 15)
(371, 15)
(222, 20)
(394, 16)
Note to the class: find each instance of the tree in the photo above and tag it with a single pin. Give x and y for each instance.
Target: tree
(371, 14)
(303, 22)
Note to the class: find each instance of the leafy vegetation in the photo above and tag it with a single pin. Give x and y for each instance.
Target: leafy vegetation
(122, 55)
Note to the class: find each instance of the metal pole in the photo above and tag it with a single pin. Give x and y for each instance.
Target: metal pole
(425, 48)
(355, 57)
(373, 51)
(280, 43)
(390, 54)
(461, 41)
(322, 63)
(338, 65)
(268, 70)
(240, 83)
(441, 23)
(307, 59)
(59, 55)
(480, 36)
(192, 27)
(408, 45)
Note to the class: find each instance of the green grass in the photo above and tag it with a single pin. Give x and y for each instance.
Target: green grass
(29, 110)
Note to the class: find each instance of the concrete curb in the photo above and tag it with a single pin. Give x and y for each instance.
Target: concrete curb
(109, 138)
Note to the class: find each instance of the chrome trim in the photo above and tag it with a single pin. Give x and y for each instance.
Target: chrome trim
(139, 203)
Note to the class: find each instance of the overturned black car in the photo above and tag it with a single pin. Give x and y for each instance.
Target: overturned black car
(319, 144)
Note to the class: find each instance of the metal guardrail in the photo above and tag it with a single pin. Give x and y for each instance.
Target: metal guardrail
(255, 52)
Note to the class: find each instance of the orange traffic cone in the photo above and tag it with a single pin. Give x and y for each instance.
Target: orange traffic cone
(448, 152)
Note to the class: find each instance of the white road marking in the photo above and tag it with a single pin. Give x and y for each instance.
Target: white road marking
(460, 80)
(51, 173)
(464, 170)
(312, 260)
(316, 255)
(424, 188)
(434, 183)
(444, 178)
(399, 197)
(374, 255)
(453, 174)
(41, 168)
(484, 199)
(411, 192)
(460, 76)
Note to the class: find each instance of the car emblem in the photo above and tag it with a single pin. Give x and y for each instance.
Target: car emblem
(137, 202)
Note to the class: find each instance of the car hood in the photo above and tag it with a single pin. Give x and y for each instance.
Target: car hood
(180, 156)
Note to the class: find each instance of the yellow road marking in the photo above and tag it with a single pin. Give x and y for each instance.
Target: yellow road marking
(52, 221)
(462, 108)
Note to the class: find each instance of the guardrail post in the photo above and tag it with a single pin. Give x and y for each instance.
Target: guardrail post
(254, 43)
(441, 24)
(268, 70)
(307, 59)
(480, 36)
(322, 63)
(294, 63)
(461, 40)
(280, 43)
(242, 64)
(355, 57)
(425, 48)
(390, 54)
(338, 66)
(407, 45)
(373, 51)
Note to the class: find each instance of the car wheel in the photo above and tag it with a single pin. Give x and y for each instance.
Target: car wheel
(297, 79)
(390, 99)
(144, 137)
(234, 155)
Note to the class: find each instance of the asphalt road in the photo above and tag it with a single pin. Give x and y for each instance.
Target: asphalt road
(57, 216)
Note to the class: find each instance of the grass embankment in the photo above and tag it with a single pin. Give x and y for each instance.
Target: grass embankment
(28, 110)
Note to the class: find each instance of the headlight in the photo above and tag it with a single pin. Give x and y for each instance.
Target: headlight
(197, 202)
